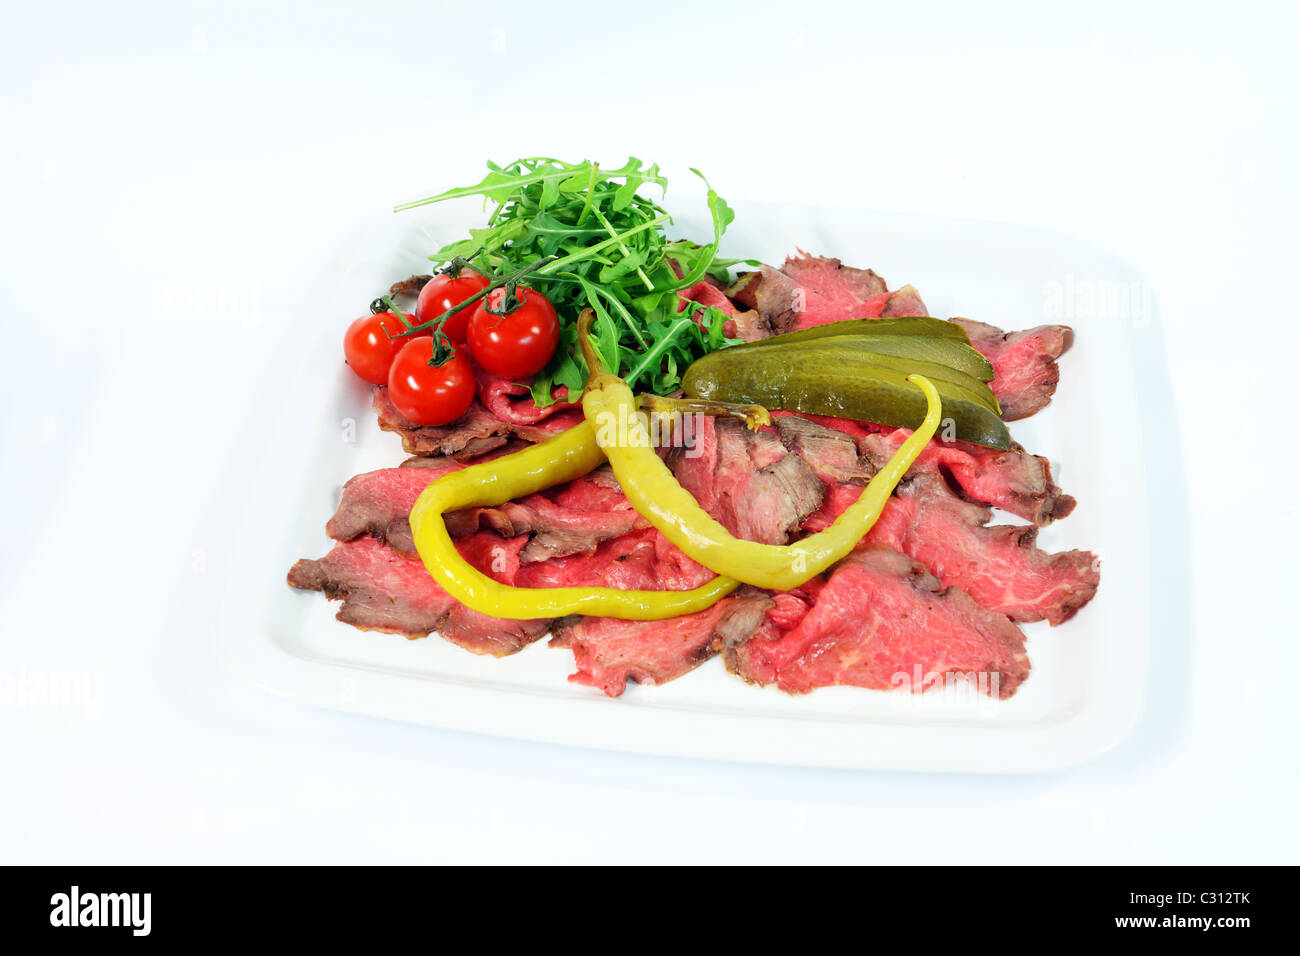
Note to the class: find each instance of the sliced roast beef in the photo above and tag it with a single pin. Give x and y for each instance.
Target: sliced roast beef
(475, 432)
(747, 480)
(1013, 480)
(813, 290)
(559, 530)
(882, 621)
(855, 429)
(838, 499)
(835, 282)
(478, 431)
(1025, 372)
(832, 454)
(901, 302)
(550, 426)
(998, 565)
(771, 294)
(642, 560)
(409, 286)
(443, 461)
(782, 303)
(512, 402)
(378, 503)
(609, 652)
(597, 490)
(745, 324)
(937, 516)
(860, 293)
(382, 590)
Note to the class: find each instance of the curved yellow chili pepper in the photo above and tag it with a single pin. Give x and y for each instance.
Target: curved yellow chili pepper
(610, 407)
(568, 455)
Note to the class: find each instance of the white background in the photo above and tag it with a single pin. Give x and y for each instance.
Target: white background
(172, 172)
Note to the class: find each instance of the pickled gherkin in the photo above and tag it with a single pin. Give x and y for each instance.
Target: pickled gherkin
(912, 337)
(831, 375)
(912, 325)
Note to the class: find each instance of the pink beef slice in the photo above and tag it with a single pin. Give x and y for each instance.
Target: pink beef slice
(447, 461)
(477, 431)
(813, 290)
(929, 518)
(576, 527)
(382, 590)
(856, 293)
(747, 480)
(831, 454)
(597, 490)
(609, 652)
(837, 283)
(641, 560)
(782, 304)
(857, 430)
(745, 324)
(549, 427)
(1025, 372)
(859, 292)
(880, 620)
(998, 565)
(512, 401)
(1014, 480)
(379, 503)
(904, 301)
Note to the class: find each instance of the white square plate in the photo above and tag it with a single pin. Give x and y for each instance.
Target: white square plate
(1088, 681)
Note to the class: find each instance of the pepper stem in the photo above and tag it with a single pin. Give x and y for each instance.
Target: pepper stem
(596, 371)
(754, 416)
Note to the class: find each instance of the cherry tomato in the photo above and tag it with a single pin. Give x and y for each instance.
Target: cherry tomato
(442, 292)
(518, 344)
(368, 350)
(430, 394)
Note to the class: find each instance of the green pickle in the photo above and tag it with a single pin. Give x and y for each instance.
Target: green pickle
(914, 337)
(917, 326)
(839, 375)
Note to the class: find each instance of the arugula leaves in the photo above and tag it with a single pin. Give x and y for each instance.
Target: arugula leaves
(613, 256)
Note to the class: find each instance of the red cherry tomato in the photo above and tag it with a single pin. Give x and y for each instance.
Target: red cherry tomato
(518, 344)
(442, 292)
(430, 394)
(368, 350)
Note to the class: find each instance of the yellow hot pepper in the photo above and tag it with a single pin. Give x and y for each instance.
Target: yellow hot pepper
(568, 455)
(610, 407)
